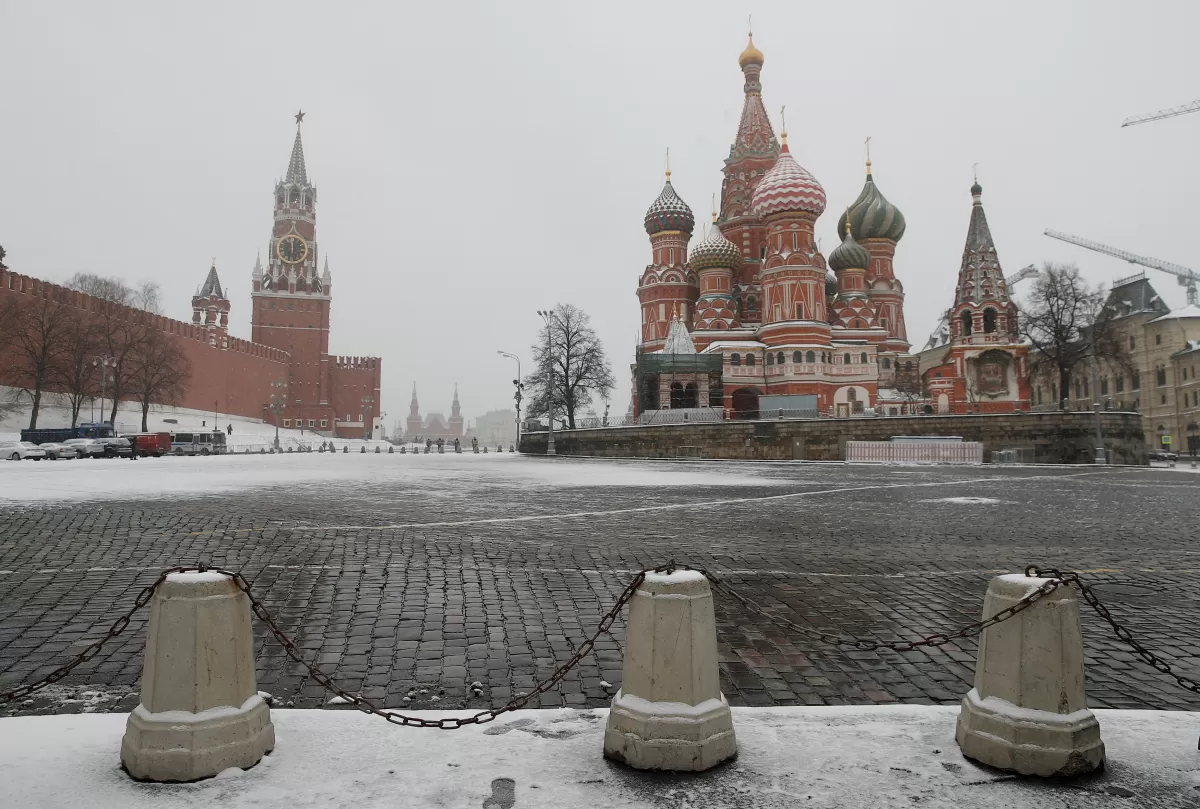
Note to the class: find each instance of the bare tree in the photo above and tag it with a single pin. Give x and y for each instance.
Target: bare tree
(121, 331)
(159, 371)
(77, 373)
(1067, 324)
(34, 335)
(568, 346)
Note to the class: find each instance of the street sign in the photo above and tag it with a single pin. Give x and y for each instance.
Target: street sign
(1166, 440)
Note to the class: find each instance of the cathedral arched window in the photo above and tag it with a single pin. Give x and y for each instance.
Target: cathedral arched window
(965, 319)
(863, 358)
(770, 359)
(797, 357)
(779, 358)
(735, 359)
(812, 356)
(989, 320)
(750, 359)
(886, 363)
(846, 358)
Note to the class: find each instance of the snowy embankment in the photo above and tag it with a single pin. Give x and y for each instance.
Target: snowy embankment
(845, 757)
(252, 434)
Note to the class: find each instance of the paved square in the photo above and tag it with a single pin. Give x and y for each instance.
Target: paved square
(398, 573)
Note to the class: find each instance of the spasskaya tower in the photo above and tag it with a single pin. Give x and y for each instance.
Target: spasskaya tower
(291, 306)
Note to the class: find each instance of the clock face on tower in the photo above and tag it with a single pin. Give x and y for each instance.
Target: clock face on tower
(291, 249)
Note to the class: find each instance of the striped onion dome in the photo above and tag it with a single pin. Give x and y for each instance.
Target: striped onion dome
(849, 255)
(714, 250)
(872, 216)
(669, 212)
(788, 187)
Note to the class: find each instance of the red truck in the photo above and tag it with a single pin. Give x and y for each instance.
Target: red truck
(155, 444)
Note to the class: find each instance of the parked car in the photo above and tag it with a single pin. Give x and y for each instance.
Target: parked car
(21, 450)
(59, 452)
(1163, 455)
(118, 447)
(86, 447)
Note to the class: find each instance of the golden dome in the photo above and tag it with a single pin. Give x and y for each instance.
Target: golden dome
(751, 56)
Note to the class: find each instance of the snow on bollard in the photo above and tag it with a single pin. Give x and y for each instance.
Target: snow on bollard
(1028, 710)
(200, 711)
(670, 713)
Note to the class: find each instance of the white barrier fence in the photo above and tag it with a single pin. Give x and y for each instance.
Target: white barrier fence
(952, 452)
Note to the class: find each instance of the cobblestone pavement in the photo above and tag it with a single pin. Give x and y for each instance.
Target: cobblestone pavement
(429, 576)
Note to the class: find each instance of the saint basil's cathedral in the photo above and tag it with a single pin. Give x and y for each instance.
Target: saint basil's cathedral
(756, 318)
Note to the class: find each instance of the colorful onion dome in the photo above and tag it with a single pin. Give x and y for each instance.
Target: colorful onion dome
(849, 255)
(787, 187)
(714, 250)
(751, 56)
(872, 216)
(669, 212)
(976, 189)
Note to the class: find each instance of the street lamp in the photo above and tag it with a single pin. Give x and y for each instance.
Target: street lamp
(103, 363)
(516, 384)
(278, 403)
(548, 316)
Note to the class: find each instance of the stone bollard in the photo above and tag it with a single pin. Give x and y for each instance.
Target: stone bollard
(391, 448)
(670, 713)
(377, 449)
(363, 451)
(345, 449)
(1028, 710)
(200, 712)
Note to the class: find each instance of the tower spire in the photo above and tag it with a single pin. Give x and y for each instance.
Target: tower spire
(755, 137)
(296, 172)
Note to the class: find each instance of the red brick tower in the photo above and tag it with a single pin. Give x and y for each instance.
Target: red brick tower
(210, 309)
(456, 419)
(751, 156)
(986, 366)
(667, 285)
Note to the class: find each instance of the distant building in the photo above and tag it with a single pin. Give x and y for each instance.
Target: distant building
(435, 425)
(497, 427)
(1160, 379)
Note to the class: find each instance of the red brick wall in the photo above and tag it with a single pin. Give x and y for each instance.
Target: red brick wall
(237, 380)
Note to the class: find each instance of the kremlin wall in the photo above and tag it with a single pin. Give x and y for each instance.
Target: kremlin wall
(338, 396)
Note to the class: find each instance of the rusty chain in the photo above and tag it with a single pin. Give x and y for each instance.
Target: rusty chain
(22, 691)
(1055, 579)
(1121, 632)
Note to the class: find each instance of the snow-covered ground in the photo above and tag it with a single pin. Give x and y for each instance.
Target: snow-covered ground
(101, 479)
(788, 757)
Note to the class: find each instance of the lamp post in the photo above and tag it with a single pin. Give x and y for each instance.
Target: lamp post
(1099, 454)
(103, 363)
(548, 316)
(278, 403)
(300, 420)
(516, 384)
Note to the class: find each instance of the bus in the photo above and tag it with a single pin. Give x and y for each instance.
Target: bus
(60, 434)
(198, 443)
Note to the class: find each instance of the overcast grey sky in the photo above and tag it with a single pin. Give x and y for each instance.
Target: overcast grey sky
(478, 161)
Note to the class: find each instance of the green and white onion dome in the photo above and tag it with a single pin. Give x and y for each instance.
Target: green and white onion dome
(669, 212)
(849, 255)
(871, 216)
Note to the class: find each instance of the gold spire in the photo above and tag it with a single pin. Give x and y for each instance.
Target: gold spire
(714, 208)
(783, 125)
(668, 164)
(750, 56)
(847, 233)
(868, 144)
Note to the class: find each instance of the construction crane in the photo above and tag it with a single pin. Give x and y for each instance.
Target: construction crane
(941, 332)
(1187, 277)
(1160, 114)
